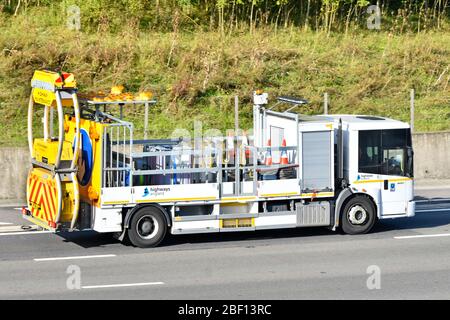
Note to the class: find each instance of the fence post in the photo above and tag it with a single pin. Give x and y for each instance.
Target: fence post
(237, 157)
(412, 102)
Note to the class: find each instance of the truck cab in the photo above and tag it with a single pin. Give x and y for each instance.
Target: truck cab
(378, 162)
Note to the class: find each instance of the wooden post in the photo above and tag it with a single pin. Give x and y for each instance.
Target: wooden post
(236, 146)
(146, 121)
(325, 103)
(412, 102)
(236, 114)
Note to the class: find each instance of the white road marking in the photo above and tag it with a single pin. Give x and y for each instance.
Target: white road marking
(123, 285)
(433, 200)
(5, 223)
(75, 257)
(23, 232)
(424, 236)
(433, 210)
(15, 228)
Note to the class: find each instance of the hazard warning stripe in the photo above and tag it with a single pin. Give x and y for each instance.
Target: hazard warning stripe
(42, 202)
(52, 202)
(33, 184)
(49, 211)
(54, 193)
(45, 202)
(34, 189)
(31, 188)
(36, 199)
(42, 197)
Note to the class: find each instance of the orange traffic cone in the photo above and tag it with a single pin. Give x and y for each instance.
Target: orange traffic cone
(268, 158)
(284, 157)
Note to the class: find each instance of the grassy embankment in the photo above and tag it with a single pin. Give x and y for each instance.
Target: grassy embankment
(195, 75)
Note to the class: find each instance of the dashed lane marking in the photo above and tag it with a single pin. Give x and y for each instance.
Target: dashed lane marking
(140, 284)
(75, 257)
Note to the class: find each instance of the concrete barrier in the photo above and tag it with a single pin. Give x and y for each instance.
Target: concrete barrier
(431, 161)
(14, 166)
(432, 155)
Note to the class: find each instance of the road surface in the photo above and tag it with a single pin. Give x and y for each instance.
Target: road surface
(411, 257)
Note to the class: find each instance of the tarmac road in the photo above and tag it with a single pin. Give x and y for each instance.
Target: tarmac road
(412, 257)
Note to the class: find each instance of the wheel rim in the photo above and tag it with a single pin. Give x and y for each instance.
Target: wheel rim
(147, 227)
(357, 215)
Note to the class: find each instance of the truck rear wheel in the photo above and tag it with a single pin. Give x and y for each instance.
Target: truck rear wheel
(358, 216)
(147, 228)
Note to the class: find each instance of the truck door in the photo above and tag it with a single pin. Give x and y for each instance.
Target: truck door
(384, 153)
(394, 187)
(393, 195)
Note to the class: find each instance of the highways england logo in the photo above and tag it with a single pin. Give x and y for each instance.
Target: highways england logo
(155, 191)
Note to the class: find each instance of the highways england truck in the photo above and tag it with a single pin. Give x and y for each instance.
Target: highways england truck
(293, 170)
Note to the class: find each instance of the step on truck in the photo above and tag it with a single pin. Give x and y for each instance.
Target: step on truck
(292, 170)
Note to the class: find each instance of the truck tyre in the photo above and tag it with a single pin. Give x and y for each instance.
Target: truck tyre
(358, 216)
(147, 228)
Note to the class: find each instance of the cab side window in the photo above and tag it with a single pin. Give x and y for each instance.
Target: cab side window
(383, 151)
(369, 151)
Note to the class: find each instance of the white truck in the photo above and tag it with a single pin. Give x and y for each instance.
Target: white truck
(292, 171)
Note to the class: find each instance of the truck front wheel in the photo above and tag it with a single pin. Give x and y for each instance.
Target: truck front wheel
(147, 227)
(358, 216)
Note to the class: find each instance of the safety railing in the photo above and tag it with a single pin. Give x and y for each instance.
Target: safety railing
(117, 150)
(161, 165)
(176, 164)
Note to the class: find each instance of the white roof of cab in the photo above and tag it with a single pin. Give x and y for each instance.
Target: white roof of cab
(366, 122)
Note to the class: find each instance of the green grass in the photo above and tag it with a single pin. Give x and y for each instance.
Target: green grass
(195, 75)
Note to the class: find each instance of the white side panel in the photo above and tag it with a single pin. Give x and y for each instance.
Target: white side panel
(227, 188)
(120, 195)
(173, 193)
(107, 220)
(235, 208)
(396, 197)
(278, 188)
(195, 226)
(247, 187)
(289, 129)
(273, 221)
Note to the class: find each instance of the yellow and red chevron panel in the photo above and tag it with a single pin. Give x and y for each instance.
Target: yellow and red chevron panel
(42, 196)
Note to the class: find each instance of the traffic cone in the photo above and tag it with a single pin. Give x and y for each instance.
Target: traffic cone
(284, 157)
(268, 158)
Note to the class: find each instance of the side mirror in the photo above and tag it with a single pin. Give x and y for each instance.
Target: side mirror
(409, 163)
(409, 152)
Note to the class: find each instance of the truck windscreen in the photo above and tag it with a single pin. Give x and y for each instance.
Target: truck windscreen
(387, 152)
